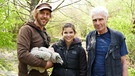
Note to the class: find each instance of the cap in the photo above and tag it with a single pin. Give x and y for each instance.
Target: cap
(42, 6)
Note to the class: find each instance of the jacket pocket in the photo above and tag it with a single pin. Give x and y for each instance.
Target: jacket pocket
(116, 52)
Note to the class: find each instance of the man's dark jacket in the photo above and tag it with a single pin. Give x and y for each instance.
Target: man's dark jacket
(113, 65)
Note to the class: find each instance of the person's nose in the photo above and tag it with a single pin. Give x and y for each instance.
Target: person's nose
(68, 34)
(98, 22)
(45, 16)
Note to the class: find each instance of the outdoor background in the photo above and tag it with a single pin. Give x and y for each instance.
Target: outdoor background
(14, 14)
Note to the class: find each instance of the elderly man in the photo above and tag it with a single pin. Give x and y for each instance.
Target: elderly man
(106, 47)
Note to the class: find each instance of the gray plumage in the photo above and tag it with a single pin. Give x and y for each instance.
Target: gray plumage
(45, 54)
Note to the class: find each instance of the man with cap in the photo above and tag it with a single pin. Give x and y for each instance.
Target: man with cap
(33, 34)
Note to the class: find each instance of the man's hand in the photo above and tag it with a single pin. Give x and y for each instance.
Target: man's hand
(49, 64)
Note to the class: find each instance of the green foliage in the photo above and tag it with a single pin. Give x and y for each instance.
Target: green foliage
(6, 40)
(5, 64)
(131, 71)
(54, 39)
(9, 22)
(5, 33)
(121, 19)
(121, 24)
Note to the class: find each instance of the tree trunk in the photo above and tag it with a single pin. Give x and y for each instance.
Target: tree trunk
(32, 5)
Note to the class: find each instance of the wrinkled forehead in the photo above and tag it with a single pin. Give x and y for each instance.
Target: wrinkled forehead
(98, 16)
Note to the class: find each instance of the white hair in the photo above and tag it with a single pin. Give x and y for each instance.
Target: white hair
(99, 9)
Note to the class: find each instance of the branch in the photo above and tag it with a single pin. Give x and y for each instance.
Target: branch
(55, 1)
(17, 11)
(16, 4)
(89, 3)
(28, 3)
(73, 18)
(58, 7)
(47, 0)
(3, 4)
(20, 16)
(6, 15)
(23, 5)
(81, 10)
